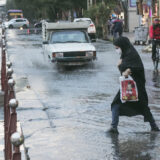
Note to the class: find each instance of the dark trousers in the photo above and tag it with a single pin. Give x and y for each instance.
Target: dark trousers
(116, 34)
(153, 50)
(115, 116)
(154, 44)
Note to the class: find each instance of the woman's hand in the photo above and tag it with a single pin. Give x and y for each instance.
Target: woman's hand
(127, 72)
(119, 62)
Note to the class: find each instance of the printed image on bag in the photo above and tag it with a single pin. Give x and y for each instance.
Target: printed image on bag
(128, 89)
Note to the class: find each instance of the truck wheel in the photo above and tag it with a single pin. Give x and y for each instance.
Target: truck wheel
(10, 27)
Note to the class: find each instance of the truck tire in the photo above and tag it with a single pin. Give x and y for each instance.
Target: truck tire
(10, 27)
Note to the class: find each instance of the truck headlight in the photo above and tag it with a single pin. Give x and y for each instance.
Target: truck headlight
(89, 53)
(59, 54)
(54, 55)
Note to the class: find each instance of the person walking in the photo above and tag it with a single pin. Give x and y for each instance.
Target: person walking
(130, 64)
(109, 25)
(154, 34)
(117, 28)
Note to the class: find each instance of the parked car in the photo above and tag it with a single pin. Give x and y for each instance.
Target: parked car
(68, 43)
(91, 28)
(17, 23)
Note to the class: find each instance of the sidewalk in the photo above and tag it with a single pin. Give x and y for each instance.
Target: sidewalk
(130, 35)
(22, 148)
(1, 122)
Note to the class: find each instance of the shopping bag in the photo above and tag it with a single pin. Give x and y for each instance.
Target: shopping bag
(128, 89)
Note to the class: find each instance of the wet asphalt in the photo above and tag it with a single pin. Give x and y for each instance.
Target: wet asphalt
(70, 107)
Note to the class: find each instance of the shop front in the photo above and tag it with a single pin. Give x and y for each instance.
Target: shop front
(148, 10)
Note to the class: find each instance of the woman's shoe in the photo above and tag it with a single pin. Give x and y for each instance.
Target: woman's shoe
(154, 127)
(113, 130)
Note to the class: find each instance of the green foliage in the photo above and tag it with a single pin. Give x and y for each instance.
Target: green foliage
(57, 9)
(100, 13)
(48, 9)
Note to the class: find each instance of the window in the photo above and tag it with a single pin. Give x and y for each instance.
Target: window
(69, 36)
(84, 20)
(19, 20)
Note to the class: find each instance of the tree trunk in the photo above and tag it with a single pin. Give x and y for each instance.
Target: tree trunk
(125, 9)
(104, 31)
(126, 27)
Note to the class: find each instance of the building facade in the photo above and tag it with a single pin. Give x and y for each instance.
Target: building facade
(133, 17)
(149, 10)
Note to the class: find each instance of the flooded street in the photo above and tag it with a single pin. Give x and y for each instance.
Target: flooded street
(65, 113)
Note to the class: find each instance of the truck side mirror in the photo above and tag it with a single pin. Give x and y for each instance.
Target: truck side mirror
(45, 42)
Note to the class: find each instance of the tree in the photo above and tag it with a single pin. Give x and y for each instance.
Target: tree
(48, 9)
(100, 13)
(10, 4)
(125, 9)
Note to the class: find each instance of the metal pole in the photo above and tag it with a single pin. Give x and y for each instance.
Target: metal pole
(3, 68)
(7, 110)
(17, 139)
(16, 155)
(11, 119)
(6, 115)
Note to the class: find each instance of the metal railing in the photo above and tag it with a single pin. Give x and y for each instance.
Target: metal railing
(13, 139)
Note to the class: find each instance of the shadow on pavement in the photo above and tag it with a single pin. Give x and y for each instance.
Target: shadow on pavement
(156, 79)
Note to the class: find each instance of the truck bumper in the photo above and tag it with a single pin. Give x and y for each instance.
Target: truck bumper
(73, 61)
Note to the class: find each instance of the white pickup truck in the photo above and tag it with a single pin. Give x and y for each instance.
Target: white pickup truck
(67, 43)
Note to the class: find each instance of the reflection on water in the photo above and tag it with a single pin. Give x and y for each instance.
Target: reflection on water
(27, 31)
(156, 79)
(156, 84)
(137, 146)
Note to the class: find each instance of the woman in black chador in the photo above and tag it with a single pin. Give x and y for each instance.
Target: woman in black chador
(130, 64)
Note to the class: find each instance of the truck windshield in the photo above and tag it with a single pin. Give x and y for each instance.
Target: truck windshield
(69, 36)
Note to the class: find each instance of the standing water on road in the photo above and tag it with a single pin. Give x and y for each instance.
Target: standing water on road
(65, 113)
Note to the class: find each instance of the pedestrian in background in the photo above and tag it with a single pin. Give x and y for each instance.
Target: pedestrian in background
(154, 33)
(117, 28)
(130, 64)
(109, 25)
